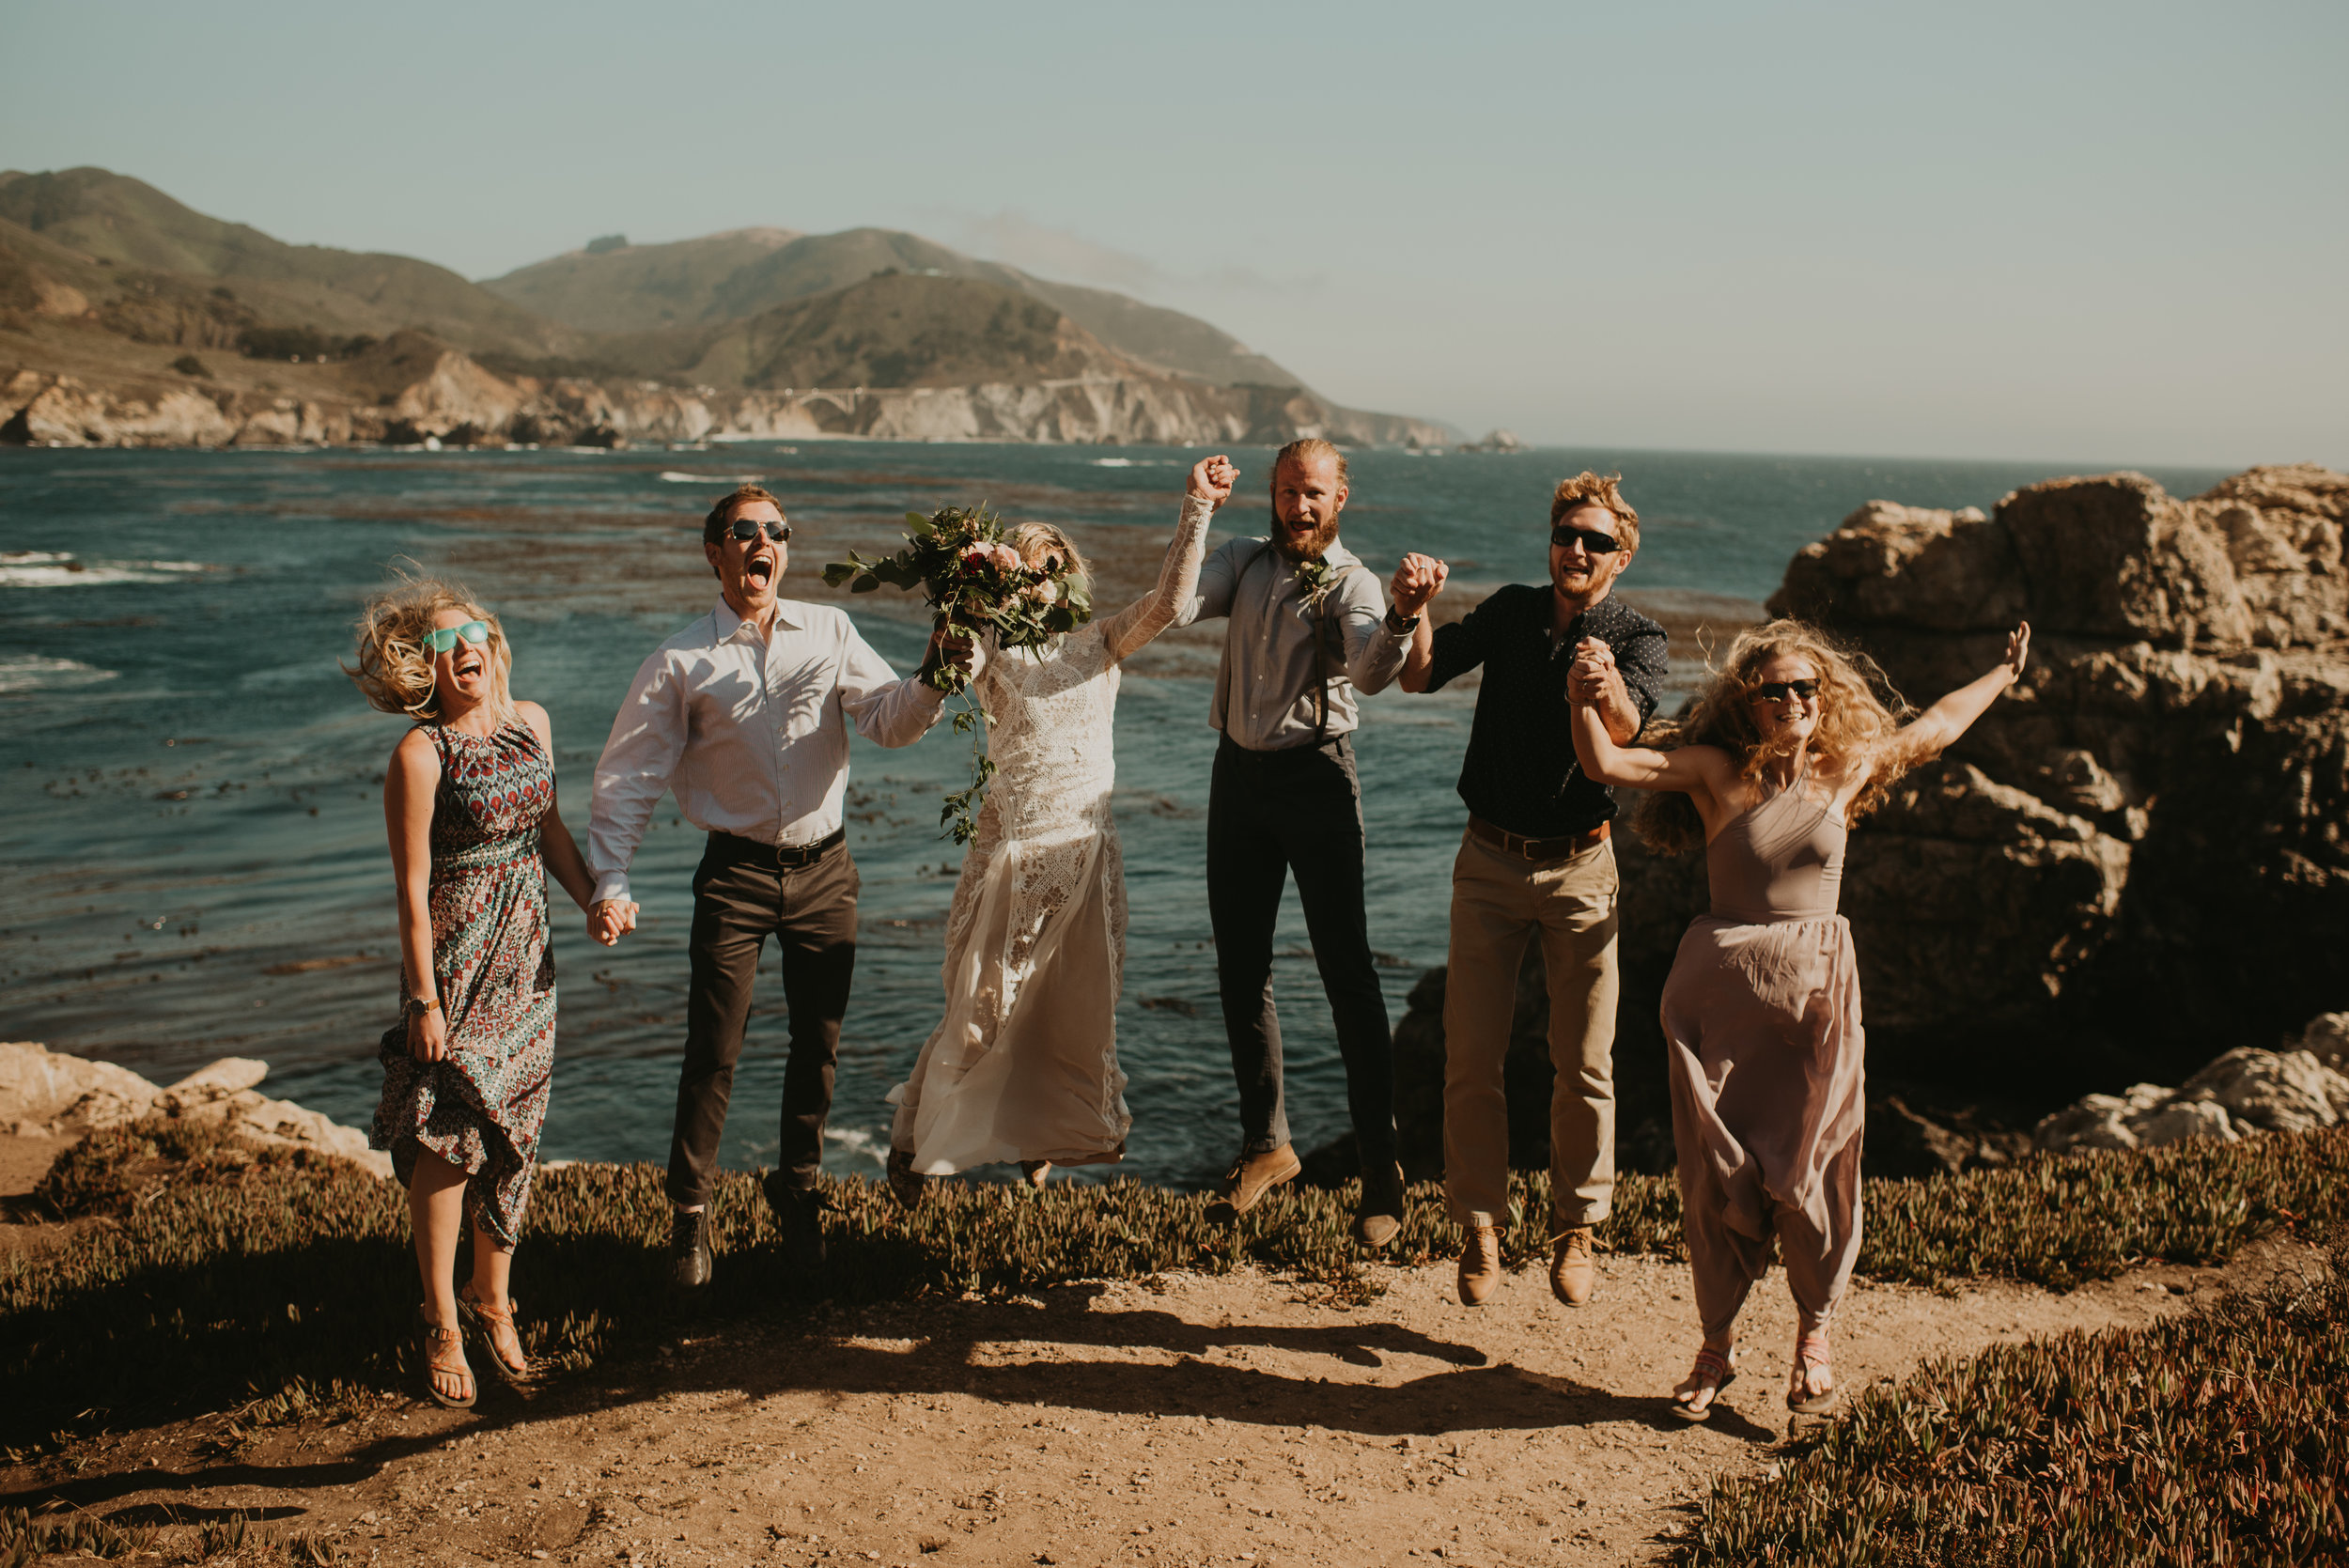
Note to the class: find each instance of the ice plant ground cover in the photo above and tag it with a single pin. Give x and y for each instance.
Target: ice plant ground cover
(976, 584)
(214, 1276)
(2218, 1437)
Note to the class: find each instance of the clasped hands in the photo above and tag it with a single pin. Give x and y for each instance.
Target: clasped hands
(609, 919)
(1417, 579)
(1594, 681)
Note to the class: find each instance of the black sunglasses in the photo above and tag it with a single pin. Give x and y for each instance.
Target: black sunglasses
(747, 528)
(1778, 691)
(1592, 541)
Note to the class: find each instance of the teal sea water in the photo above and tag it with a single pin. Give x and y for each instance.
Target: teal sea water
(193, 850)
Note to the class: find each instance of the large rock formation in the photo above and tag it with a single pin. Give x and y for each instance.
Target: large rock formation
(2136, 860)
(46, 1095)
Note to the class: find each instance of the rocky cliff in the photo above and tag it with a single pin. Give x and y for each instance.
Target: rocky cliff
(410, 389)
(2137, 859)
(129, 319)
(2137, 862)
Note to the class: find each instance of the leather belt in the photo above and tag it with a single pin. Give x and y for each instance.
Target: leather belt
(1537, 849)
(736, 851)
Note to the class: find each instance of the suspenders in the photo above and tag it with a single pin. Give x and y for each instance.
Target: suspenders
(1321, 649)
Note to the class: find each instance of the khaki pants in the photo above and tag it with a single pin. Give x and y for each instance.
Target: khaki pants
(1500, 902)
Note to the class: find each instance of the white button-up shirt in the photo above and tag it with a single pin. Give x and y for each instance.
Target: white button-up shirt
(749, 731)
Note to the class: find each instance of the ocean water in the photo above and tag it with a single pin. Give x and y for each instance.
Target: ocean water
(194, 843)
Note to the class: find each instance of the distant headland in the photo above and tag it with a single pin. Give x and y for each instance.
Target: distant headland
(129, 319)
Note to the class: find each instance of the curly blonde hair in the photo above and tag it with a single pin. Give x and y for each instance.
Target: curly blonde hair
(395, 668)
(1860, 714)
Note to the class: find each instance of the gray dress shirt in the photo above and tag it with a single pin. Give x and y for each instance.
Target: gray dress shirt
(1270, 690)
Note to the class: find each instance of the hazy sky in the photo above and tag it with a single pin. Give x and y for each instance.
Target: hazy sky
(2109, 233)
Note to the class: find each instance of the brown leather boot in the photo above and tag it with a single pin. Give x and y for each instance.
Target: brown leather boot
(1573, 1267)
(1379, 1215)
(1252, 1177)
(1480, 1266)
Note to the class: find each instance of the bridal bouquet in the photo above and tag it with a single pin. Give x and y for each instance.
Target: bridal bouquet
(976, 581)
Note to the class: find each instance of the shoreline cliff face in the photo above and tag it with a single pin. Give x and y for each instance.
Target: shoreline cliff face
(2140, 857)
(411, 390)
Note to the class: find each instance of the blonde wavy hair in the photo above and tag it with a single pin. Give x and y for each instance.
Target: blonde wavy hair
(1603, 490)
(395, 668)
(1030, 538)
(1860, 713)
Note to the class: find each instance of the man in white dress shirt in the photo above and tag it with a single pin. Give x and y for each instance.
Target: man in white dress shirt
(744, 714)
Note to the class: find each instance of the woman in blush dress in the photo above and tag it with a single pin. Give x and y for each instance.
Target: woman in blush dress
(1787, 747)
(1023, 1065)
(469, 799)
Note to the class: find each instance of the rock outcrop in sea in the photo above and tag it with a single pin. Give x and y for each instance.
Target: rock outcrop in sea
(45, 1093)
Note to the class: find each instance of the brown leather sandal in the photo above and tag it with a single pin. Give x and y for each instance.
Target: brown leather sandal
(1034, 1172)
(1715, 1369)
(1811, 1354)
(444, 1351)
(490, 1323)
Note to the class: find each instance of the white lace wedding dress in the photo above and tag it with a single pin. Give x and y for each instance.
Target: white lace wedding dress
(1023, 1066)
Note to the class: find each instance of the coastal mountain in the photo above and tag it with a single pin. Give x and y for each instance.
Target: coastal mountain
(730, 277)
(122, 235)
(127, 317)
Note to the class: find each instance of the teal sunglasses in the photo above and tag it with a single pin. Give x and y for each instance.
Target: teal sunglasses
(443, 638)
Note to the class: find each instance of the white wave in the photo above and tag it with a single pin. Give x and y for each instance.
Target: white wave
(1138, 463)
(1112, 462)
(31, 672)
(41, 568)
(862, 1141)
(678, 476)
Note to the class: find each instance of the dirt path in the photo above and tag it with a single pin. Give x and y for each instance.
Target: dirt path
(1193, 1420)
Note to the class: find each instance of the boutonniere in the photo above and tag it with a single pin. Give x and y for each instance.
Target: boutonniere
(1316, 577)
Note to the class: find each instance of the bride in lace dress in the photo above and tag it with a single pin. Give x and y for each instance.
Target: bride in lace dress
(1023, 1066)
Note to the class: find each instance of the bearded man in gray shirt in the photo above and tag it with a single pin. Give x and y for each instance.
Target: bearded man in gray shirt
(1308, 631)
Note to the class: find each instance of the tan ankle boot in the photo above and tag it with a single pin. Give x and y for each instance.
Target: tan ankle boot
(1573, 1269)
(1480, 1266)
(1251, 1176)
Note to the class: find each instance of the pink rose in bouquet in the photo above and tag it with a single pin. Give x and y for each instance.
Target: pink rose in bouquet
(977, 583)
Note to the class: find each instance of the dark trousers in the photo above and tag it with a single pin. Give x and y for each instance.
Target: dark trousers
(1270, 814)
(740, 898)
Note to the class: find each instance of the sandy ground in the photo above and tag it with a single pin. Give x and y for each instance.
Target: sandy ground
(1185, 1420)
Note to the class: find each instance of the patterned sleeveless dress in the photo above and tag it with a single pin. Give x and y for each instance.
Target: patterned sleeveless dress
(482, 1105)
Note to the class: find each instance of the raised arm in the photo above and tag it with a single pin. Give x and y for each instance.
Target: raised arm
(1179, 574)
(1936, 729)
(1698, 770)
(884, 709)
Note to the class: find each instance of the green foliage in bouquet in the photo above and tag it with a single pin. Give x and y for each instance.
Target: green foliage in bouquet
(975, 583)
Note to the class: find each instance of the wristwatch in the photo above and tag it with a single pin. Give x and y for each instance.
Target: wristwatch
(419, 1006)
(1398, 625)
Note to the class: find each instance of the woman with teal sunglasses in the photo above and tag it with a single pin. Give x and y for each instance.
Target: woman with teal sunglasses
(469, 799)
